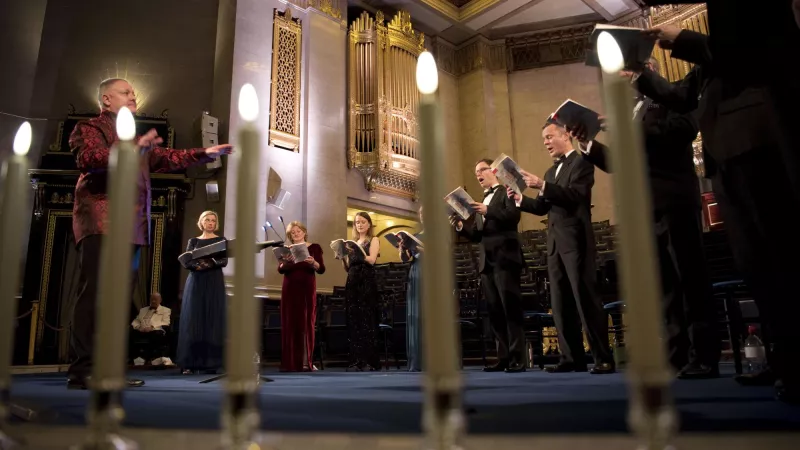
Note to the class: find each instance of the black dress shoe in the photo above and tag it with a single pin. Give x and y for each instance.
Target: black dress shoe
(564, 368)
(499, 366)
(765, 377)
(83, 383)
(698, 371)
(515, 367)
(602, 369)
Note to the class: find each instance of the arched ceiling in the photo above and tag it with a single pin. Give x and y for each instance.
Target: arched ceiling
(459, 20)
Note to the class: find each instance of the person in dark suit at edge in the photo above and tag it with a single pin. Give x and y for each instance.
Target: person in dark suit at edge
(689, 308)
(565, 196)
(500, 265)
(747, 115)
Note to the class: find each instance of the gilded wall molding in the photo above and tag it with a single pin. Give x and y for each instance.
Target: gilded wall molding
(476, 54)
(463, 13)
(548, 48)
(330, 8)
(284, 118)
(480, 54)
(445, 55)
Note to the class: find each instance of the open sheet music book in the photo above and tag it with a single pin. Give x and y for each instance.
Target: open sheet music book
(351, 249)
(508, 173)
(220, 249)
(298, 251)
(571, 114)
(636, 47)
(459, 200)
(410, 242)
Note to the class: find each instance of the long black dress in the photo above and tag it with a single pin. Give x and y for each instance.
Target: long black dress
(202, 323)
(361, 293)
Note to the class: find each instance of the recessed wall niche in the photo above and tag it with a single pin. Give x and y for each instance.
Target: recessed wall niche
(284, 122)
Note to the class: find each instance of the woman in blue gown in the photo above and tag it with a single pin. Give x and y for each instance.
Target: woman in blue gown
(413, 306)
(201, 338)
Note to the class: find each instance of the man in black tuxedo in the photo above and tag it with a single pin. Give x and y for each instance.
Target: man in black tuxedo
(500, 265)
(565, 195)
(689, 308)
(747, 118)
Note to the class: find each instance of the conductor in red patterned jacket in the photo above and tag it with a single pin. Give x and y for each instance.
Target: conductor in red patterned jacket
(91, 142)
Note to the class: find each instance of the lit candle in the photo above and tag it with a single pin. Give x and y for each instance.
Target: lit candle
(641, 285)
(442, 415)
(16, 189)
(113, 308)
(244, 312)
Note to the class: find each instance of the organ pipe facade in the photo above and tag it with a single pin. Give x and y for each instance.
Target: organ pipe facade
(383, 100)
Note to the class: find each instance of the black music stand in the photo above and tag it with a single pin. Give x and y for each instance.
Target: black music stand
(223, 249)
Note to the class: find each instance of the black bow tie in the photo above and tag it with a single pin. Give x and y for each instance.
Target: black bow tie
(559, 161)
(489, 191)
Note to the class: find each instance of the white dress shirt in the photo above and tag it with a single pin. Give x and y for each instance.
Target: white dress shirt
(558, 169)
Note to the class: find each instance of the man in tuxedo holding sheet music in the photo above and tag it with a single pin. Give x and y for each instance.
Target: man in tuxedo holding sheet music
(500, 265)
(565, 196)
(689, 309)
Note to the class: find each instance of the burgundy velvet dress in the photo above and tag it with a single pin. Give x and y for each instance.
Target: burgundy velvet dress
(299, 311)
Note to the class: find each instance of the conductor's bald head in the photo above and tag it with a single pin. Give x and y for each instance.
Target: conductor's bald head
(114, 93)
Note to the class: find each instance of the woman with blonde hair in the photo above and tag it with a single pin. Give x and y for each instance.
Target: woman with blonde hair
(202, 322)
(361, 293)
(299, 302)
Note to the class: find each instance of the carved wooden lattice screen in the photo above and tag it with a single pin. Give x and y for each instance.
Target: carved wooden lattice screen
(383, 102)
(284, 122)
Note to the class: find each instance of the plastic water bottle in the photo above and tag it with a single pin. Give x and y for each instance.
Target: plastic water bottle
(620, 353)
(754, 353)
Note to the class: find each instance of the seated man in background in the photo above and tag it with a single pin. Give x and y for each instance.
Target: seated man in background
(149, 327)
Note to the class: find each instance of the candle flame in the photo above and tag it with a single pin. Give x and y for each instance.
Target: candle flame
(248, 103)
(609, 53)
(427, 74)
(126, 127)
(22, 141)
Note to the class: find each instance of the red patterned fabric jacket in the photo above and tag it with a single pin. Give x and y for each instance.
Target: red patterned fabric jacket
(91, 142)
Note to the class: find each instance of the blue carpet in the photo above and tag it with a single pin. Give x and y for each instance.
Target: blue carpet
(390, 402)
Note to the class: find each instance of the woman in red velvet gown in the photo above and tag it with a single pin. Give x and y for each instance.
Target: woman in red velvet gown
(299, 303)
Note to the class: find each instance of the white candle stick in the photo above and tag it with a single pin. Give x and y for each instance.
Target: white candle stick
(15, 194)
(113, 309)
(641, 285)
(442, 416)
(244, 312)
(651, 416)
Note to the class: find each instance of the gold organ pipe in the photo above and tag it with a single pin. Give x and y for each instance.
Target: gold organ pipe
(405, 100)
(407, 104)
(361, 94)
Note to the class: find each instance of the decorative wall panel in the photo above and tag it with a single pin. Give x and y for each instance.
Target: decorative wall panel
(382, 136)
(284, 121)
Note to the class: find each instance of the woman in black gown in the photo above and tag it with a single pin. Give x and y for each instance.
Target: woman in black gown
(361, 292)
(202, 323)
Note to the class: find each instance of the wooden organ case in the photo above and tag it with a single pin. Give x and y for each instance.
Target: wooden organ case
(51, 267)
(383, 99)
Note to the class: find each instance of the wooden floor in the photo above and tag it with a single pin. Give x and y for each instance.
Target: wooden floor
(39, 438)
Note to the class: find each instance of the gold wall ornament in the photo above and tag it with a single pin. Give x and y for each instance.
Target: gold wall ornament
(284, 122)
(383, 101)
(329, 7)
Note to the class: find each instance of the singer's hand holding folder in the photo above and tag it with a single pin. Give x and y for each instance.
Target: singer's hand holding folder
(348, 249)
(573, 115)
(635, 44)
(221, 249)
